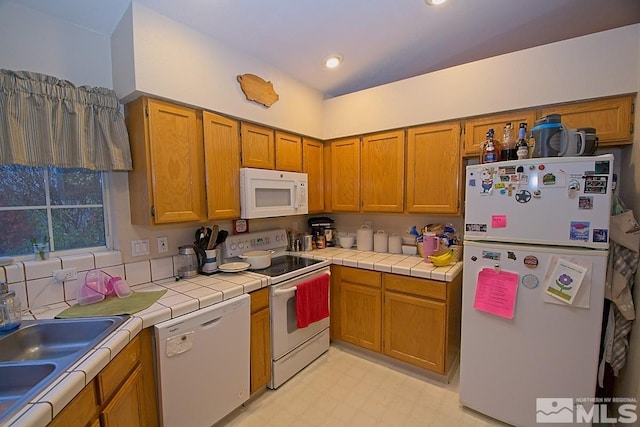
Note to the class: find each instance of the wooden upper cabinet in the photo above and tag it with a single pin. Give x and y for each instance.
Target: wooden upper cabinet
(328, 194)
(434, 169)
(258, 147)
(222, 166)
(166, 184)
(313, 166)
(288, 152)
(382, 180)
(345, 175)
(475, 130)
(612, 118)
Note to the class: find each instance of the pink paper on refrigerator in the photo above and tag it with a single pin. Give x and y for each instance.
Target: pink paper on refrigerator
(496, 292)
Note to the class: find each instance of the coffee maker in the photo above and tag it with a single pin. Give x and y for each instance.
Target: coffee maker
(323, 227)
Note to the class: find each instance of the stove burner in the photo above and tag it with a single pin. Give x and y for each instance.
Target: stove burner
(286, 264)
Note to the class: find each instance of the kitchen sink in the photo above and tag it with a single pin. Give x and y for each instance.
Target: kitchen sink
(53, 339)
(18, 380)
(35, 354)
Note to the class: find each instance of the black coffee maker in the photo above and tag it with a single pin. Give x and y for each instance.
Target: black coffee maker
(323, 226)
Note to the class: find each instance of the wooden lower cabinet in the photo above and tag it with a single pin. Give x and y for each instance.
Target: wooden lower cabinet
(413, 320)
(361, 308)
(125, 407)
(414, 330)
(260, 339)
(123, 393)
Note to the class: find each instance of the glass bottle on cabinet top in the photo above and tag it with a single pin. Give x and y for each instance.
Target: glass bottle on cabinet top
(490, 151)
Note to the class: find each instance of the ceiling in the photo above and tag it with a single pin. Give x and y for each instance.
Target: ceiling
(381, 41)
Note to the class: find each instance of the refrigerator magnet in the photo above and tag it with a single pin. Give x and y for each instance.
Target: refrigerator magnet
(530, 261)
(596, 184)
(530, 281)
(579, 230)
(585, 202)
(601, 235)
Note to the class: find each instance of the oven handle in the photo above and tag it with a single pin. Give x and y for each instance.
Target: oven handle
(291, 290)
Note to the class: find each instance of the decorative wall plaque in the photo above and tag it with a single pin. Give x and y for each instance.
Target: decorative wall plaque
(257, 90)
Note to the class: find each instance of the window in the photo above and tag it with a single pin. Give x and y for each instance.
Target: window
(63, 206)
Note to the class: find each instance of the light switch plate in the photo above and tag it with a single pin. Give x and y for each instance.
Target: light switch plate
(139, 247)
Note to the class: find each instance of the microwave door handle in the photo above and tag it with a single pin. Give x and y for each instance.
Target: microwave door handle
(296, 195)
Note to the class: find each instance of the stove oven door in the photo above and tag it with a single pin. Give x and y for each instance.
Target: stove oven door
(285, 335)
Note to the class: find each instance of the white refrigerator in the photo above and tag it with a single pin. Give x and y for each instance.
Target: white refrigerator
(535, 258)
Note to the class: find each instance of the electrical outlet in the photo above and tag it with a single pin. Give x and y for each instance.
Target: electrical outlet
(163, 244)
(139, 247)
(294, 226)
(65, 274)
(367, 223)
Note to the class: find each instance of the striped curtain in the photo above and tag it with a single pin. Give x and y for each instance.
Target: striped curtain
(48, 121)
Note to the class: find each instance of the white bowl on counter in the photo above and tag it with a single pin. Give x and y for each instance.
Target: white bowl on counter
(346, 241)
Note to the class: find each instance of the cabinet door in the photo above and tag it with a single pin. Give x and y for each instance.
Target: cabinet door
(434, 169)
(126, 407)
(167, 181)
(382, 182)
(475, 130)
(361, 315)
(345, 175)
(222, 166)
(258, 147)
(288, 152)
(414, 330)
(260, 350)
(611, 118)
(313, 166)
(81, 411)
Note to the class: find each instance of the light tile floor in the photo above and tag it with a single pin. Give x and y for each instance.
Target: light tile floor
(344, 389)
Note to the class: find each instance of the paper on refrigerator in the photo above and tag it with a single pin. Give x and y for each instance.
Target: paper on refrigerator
(496, 292)
(565, 280)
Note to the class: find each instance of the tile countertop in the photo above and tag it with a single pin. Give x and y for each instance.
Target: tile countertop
(185, 296)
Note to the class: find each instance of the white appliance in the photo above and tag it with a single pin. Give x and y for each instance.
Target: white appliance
(203, 363)
(292, 348)
(270, 193)
(526, 223)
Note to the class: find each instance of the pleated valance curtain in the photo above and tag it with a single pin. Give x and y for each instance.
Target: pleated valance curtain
(48, 121)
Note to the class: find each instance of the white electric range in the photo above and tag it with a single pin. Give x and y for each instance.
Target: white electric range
(292, 348)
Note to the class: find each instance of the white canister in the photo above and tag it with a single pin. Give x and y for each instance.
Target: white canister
(380, 241)
(395, 244)
(364, 238)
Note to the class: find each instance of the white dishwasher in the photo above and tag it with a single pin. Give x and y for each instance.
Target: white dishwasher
(203, 363)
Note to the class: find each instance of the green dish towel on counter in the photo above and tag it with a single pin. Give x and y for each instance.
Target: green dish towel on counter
(113, 306)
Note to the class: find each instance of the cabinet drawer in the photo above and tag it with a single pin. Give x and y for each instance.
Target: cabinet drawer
(80, 411)
(411, 285)
(118, 370)
(362, 277)
(259, 300)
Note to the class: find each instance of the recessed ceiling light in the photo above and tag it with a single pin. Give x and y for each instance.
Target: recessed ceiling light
(333, 61)
(434, 2)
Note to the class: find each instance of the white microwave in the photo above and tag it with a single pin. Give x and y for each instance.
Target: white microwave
(268, 193)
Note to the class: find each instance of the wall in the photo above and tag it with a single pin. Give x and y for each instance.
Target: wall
(548, 74)
(173, 61)
(56, 48)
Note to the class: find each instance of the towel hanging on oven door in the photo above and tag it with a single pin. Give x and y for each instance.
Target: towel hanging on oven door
(312, 301)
